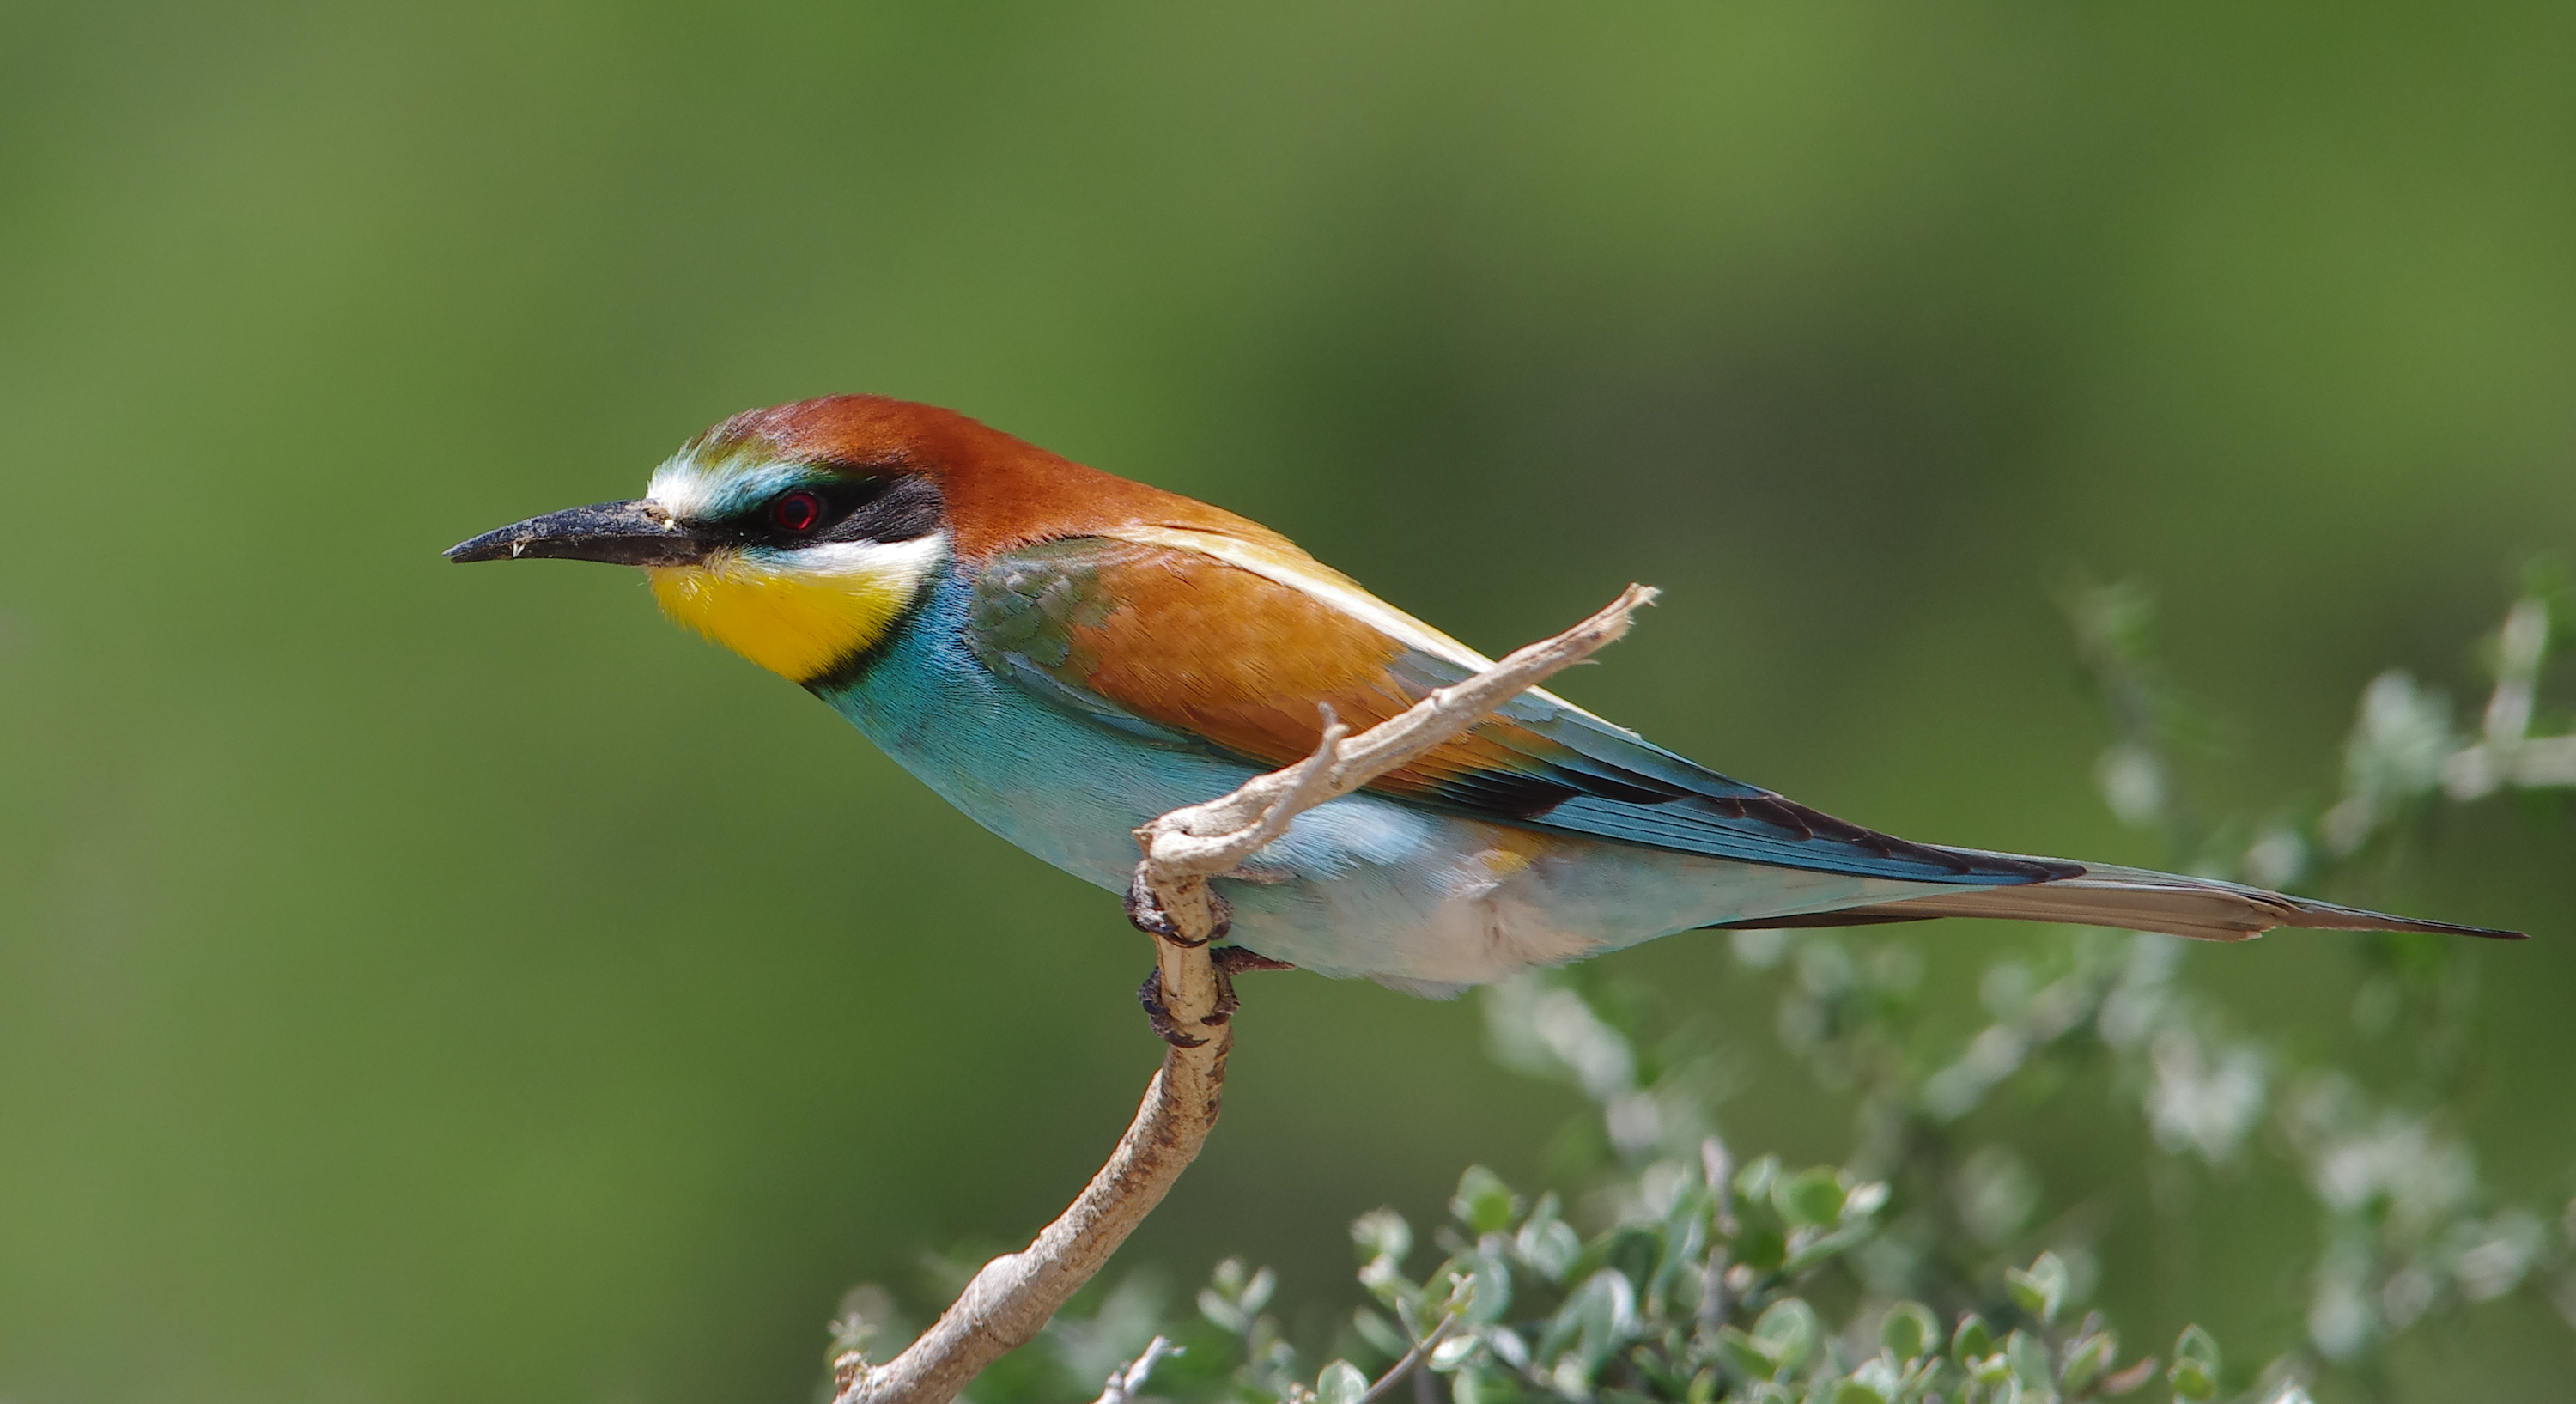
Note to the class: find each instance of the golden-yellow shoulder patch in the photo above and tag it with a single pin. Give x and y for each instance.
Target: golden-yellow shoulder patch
(1303, 573)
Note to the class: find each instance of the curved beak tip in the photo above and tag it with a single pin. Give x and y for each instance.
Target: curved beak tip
(507, 544)
(480, 548)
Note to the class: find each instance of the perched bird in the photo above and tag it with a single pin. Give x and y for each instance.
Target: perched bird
(1064, 655)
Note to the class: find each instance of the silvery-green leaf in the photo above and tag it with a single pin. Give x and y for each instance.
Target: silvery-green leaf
(2087, 1359)
(1788, 1332)
(1380, 1333)
(2039, 1289)
(1974, 1340)
(1761, 1247)
(1489, 1290)
(1382, 1233)
(1455, 1351)
(1809, 1197)
(1552, 1250)
(1226, 1315)
(1910, 1331)
(1753, 1182)
(1596, 1319)
(1864, 1200)
(1880, 1375)
(1817, 1249)
(2029, 1360)
(1256, 1293)
(2195, 1368)
(1477, 1387)
(1754, 1360)
(1379, 1276)
(1341, 1383)
(1483, 1202)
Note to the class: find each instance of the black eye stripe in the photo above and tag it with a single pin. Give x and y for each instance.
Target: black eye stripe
(894, 507)
(903, 509)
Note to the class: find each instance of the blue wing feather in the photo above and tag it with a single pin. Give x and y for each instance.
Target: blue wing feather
(1621, 787)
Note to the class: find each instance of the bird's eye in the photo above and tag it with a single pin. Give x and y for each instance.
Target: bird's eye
(797, 511)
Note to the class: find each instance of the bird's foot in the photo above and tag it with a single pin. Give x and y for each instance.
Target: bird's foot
(1159, 1014)
(1146, 912)
(1229, 962)
(1235, 960)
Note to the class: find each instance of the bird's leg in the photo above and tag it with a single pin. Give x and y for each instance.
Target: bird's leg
(1146, 911)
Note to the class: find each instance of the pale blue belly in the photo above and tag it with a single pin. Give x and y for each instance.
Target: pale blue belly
(1362, 886)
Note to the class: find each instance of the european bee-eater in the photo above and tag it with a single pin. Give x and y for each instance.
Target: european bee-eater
(1064, 655)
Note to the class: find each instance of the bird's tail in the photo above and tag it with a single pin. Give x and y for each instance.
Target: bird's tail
(2139, 900)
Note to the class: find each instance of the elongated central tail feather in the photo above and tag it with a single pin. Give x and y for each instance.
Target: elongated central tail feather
(2137, 899)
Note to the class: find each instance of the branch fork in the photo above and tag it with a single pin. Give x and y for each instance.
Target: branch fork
(1015, 1295)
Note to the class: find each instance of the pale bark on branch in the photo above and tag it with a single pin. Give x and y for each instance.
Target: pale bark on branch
(1015, 1295)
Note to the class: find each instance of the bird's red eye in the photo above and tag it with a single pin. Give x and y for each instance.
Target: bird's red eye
(797, 511)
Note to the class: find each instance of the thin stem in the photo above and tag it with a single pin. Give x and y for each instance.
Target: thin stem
(1123, 1384)
(1412, 1360)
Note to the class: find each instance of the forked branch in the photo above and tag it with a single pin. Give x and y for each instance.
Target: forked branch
(1015, 1295)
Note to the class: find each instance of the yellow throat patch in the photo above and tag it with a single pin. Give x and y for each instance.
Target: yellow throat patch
(798, 620)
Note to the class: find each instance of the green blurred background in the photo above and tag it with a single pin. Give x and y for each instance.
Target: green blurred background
(421, 984)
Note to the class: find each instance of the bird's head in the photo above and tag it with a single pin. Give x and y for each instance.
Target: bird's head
(798, 536)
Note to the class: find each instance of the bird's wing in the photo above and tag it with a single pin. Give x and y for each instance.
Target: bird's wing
(1200, 639)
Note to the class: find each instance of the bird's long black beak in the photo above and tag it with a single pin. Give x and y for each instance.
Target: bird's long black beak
(620, 533)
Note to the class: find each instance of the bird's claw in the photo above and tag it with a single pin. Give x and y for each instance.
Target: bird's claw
(1159, 1014)
(1231, 961)
(1228, 962)
(1145, 912)
(1235, 960)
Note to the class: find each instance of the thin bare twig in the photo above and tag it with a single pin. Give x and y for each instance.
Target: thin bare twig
(1015, 1295)
(1396, 1373)
(1124, 1384)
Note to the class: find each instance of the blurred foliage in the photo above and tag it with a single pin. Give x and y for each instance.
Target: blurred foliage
(1899, 1275)
(421, 984)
